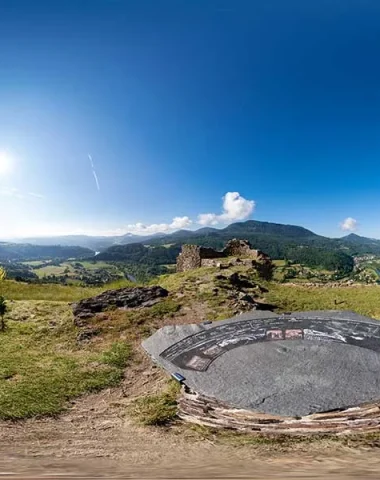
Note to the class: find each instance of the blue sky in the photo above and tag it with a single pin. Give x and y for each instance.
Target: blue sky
(180, 102)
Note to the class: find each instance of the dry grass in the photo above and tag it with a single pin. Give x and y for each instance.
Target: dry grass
(13, 290)
(51, 292)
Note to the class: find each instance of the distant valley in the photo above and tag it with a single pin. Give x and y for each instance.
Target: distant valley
(143, 257)
(273, 238)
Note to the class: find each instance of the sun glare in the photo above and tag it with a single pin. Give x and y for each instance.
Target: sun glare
(5, 163)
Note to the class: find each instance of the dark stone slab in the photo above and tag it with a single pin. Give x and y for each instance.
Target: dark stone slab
(130, 297)
(290, 364)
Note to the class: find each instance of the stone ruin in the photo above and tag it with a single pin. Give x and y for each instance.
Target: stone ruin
(240, 248)
(194, 256)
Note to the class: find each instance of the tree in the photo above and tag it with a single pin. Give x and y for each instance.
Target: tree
(3, 304)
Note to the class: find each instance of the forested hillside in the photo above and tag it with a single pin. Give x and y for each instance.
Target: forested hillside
(15, 252)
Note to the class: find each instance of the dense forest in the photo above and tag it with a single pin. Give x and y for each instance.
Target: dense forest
(318, 257)
(140, 254)
(139, 261)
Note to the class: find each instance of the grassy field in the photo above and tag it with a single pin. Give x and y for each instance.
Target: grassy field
(34, 263)
(52, 292)
(54, 270)
(97, 265)
(42, 366)
(364, 300)
(69, 268)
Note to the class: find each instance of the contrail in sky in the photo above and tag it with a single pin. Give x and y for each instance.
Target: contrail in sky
(94, 173)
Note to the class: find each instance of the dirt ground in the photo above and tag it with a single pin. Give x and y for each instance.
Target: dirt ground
(95, 438)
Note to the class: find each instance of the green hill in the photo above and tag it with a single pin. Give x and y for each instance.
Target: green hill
(18, 252)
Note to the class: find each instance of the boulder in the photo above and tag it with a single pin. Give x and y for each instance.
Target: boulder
(125, 298)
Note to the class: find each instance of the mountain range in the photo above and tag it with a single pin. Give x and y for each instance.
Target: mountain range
(273, 238)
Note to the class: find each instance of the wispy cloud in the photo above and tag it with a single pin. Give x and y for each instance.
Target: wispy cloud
(349, 224)
(36, 195)
(94, 172)
(16, 193)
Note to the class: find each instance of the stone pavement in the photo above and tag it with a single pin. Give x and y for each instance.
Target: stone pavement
(294, 364)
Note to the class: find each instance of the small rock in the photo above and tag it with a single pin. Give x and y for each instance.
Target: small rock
(247, 298)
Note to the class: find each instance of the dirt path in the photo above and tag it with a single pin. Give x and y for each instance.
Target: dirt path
(95, 438)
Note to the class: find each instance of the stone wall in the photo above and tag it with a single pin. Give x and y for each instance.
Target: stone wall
(210, 262)
(193, 256)
(189, 258)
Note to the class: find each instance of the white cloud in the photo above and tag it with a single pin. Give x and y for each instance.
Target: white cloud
(235, 207)
(349, 224)
(142, 229)
(180, 222)
(208, 219)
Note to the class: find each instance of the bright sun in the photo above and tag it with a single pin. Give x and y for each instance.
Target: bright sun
(5, 163)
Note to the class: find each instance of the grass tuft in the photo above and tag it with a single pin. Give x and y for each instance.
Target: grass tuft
(118, 355)
(165, 308)
(157, 410)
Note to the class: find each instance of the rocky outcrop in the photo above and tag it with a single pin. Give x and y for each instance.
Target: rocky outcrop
(243, 294)
(121, 298)
(239, 248)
